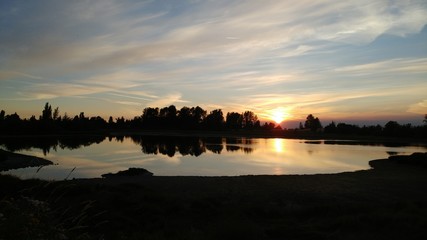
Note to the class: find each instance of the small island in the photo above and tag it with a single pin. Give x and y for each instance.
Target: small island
(10, 160)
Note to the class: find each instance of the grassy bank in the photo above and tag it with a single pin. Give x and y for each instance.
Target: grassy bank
(387, 202)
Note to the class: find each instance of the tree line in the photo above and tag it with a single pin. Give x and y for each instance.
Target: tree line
(191, 118)
(167, 118)
(390, 129)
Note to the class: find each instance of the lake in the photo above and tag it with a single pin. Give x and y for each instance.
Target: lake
(91, 156)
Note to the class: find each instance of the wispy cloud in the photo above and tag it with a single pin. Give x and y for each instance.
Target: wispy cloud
(169, 99)
(10, 75)
(403, 66)
(418, 108)
(128, 103)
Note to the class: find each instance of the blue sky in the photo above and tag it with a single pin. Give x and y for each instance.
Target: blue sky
(354, 61)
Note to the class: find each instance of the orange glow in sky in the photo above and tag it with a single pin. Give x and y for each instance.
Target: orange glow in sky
(279, 114)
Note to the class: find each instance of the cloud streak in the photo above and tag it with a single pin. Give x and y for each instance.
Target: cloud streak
(8, 75)
(401, 66)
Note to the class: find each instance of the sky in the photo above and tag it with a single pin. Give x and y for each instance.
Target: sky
(349, 61)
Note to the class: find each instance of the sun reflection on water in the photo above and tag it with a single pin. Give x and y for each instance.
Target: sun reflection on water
(279, 145)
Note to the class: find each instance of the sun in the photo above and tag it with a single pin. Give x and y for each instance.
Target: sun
(279, 115)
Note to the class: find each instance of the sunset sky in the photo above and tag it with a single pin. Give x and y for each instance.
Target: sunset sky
(355, 61)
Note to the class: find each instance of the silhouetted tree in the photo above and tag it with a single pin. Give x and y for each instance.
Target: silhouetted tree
(12, 123)
(198, 115)
(110, 122)
(66, 122)
(391, 128)
(121, 123)
(257, 124)
(312, 123)
(184, 117)
(33, 124)
(425, 119)
(46, 120)
(249, 119)
(2, 114)
(234, 120)
(215, 120)
(172, 112)
(56, 113)
(268, 126)
(150, 113)
(331, 128)
(168, 117)
(97, 123)
(150, 117)
(47, 112)
(135, 123)
(66, 117)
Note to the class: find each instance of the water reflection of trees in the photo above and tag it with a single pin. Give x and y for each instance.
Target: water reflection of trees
(239, 144)
(169, 146)
(46, 144)
(193, 146)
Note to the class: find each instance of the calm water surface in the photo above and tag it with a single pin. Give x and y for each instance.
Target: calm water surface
(191, 156)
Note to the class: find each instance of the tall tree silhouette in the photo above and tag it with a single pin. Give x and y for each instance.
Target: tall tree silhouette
(111, 122)
(168, 112)
(234, 120)
(215, 120)
(249, 119)
(198, 115)
(168, 117)
(55, 114)
(2, 114)
(184, 117)
(47, 112)
(312, 123)
(150, 117)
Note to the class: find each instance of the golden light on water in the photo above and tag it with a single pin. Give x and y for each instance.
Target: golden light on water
(278, 145)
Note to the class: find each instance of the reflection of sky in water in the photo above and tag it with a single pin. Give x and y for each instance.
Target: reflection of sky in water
(259, 156)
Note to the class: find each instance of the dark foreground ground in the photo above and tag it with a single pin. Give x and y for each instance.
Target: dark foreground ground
(387, 202)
